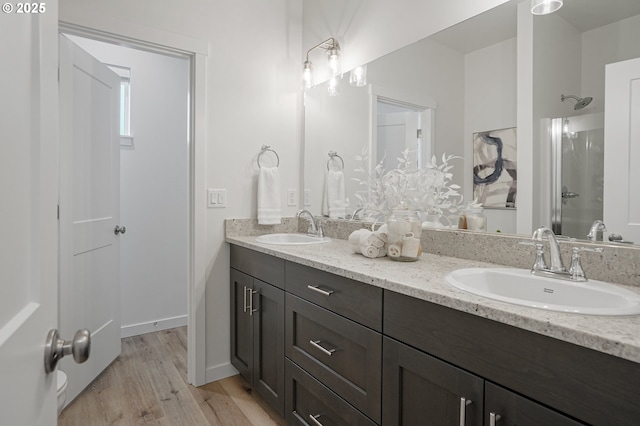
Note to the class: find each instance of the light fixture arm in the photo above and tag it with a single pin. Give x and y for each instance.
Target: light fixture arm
(329, 43)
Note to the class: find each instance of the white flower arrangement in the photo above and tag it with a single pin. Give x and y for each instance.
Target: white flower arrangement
(428, 189)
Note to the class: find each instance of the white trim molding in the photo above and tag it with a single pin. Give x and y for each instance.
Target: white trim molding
(151, 326)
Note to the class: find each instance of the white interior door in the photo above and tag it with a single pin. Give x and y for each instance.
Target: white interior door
(28, 194)
(396, 132)
(622, 149)
(89, 209)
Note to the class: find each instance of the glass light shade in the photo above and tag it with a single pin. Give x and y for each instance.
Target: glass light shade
(333, 56)
(334, 86)
(307, 75)
(358, 76)
(544, 7)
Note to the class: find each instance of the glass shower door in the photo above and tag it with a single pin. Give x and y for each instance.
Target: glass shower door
(578, 151)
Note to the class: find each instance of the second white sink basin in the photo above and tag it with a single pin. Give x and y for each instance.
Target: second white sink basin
(520, 287)
(291, 239)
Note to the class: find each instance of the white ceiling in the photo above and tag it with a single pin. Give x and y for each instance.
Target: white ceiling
(499, 23)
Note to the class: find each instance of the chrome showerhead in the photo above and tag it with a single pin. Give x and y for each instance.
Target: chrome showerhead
(580, 102)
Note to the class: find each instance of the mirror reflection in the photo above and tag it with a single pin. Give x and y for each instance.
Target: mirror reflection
(502, 69)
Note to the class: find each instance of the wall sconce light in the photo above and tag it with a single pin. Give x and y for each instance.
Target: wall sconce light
(544, 7)
(334, 86)
(333, 58)
(358, 76)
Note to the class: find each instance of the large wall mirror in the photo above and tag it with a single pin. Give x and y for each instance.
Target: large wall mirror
(468, 79)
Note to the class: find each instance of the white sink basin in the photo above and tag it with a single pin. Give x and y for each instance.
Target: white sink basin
(520, 287)
(291, 239)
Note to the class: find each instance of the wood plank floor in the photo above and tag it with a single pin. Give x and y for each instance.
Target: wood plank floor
(147, 384)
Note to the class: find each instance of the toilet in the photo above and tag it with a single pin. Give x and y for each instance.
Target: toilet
(61, 378)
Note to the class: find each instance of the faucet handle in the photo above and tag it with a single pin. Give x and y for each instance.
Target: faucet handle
(576, 271)
(539, 263)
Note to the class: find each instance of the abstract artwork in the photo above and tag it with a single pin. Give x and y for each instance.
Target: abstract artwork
(495, 175)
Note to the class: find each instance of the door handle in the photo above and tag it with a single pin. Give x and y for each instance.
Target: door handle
(55, 348)
(119, 229)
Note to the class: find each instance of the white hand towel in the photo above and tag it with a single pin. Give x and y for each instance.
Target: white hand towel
(334, 200)
(269, 201)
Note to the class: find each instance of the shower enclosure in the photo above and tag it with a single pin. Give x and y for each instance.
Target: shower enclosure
(577, 173)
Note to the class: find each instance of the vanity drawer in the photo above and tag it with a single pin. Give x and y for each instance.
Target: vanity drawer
(343, 355)
(355, 300)
(307, 397)
(265, 267)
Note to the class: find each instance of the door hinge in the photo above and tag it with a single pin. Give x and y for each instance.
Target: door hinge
(419, 133)
(58, 211)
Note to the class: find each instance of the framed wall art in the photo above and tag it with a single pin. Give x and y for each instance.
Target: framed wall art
(495, 172)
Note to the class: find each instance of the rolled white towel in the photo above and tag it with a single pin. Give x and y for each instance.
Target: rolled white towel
(383, 233)
(371, 239)
(394, 250)
(370, 251)
(410, 247)
(354, 239)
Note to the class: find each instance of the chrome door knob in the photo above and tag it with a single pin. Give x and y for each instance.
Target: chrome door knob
(119, 229)
(55, 348)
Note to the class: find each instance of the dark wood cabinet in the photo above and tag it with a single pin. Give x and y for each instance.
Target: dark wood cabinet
(582, 384)
(241, 325)
(257, 335)
(505, 408)
(324, 349)
(419, 389)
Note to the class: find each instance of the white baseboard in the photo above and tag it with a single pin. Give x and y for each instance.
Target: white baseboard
(151, 326)
(219, 372)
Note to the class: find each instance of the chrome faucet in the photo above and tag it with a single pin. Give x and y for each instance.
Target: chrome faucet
(356, 212)
(554, 248)
(314, 228)
(557, 269)
(597, 228)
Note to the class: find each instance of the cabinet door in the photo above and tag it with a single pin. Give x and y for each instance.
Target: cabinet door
(241, 324)
(418, 389)
(267, 302)
(514, 410)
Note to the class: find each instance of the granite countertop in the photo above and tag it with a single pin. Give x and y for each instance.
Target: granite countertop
(425, 279)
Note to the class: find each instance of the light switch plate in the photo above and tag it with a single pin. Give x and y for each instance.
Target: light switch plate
(291, 197)
(216, 198)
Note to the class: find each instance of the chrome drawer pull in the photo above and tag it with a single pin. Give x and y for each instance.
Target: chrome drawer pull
(319, 290)
(316, 344)
(251, 310)
(314, 419)
(493, 418)
(244, 293)
(463, 410)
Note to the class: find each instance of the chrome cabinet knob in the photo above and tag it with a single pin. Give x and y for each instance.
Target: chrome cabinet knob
(119, 229)
(56, 348)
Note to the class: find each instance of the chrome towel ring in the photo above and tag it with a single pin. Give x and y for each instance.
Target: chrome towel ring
(332, 156)
(264, 149)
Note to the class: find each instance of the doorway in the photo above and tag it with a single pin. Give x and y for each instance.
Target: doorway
(402, 126)
(155, 185)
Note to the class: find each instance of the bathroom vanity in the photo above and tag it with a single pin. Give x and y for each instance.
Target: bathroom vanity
(372, 341)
